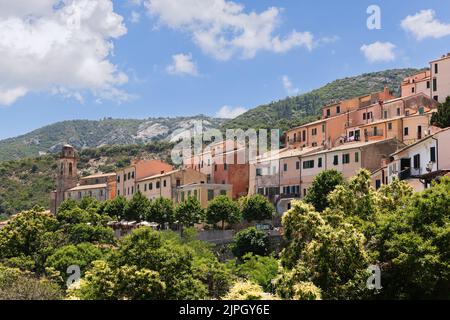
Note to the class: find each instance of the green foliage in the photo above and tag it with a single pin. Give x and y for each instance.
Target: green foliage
(116, 208)
(161, 211)
(258, 269)
(223, 209)
(250, 240)
(190, 212)
(137, 208)
(256, 208)
(442, 117)
(246, 290)
(322, 185)
(18, 285)
(81, 255)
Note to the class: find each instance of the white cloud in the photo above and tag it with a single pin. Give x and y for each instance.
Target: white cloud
(424, 25)
(135, 17)
(223, 29)
(182, 64)
(289, 87)
(59, 46)
(227, 112)
(379, 52)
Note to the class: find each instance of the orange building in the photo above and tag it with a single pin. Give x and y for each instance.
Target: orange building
(139, 169)
(418, 83)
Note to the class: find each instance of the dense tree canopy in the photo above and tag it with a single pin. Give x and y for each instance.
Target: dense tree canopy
(223, 209)
(322, 185)
(256, 208)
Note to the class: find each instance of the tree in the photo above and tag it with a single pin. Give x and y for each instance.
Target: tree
(189, 212)
(246, 290)
(256, 208)
(31, 235)
(81, 255)
(19, 285)
(161, 211)
(116, 207)
(250, 240)
(258, 269)
(223, 209)
(137, 208)
(323, 184)
(441, 118)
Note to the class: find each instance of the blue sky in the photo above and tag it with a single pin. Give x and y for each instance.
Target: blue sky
(310, 44)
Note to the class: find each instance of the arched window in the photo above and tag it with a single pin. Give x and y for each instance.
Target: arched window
(70, 169)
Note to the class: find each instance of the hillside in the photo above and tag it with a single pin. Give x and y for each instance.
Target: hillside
(297, 110)
(28, 182)
(93, 134)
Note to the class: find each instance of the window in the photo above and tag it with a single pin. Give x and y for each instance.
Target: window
(390, 126)
(364, 116)
(406, 131)
(304, 135)
(436, 68)
(433, 154)
(129, 175)
(378, 184)
(258, 172)
(413, 90)
(285, 167)
(346, 158)
(132, 190)
(308, 164)
(356, 157)
(165, 183)
(417, 161)
(132, 175)
(328, 113)
(323, 128)
(434, 84)
(145, 187)
(139, 187)
(338, 109)
(314, 132)
(436, 98)
(319, 164)
(375, 131)
(225, 167)
(124, 177)
(158, 184)
(295, 137)
(150, 186)
(428, 84)
(70, 169)
(101, 193)
(178, 182)
(297, 165)
(210, 195)
(215, 167)
(385, 114)
(118, 179)
(314, 144)
(336, 160)
(398, 111)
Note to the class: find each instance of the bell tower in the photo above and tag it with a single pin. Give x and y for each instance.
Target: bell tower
(66, 175)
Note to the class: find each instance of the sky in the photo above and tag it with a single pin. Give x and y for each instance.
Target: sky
(91, 59)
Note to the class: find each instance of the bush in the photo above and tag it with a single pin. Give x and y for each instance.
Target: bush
(250, 240)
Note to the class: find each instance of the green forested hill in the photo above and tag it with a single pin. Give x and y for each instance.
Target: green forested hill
(293, 111)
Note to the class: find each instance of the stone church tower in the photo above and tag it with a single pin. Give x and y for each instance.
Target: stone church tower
(66, 176)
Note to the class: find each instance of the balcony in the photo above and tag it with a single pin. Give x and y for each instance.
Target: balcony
(409, 173)
(375, 133)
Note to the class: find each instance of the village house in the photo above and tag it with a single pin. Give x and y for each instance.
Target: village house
(139, 169)
(223, 162)
(418, 83)
(101, 187)
(203, 192)
(440, 77)
(165, 185)
(421, 162)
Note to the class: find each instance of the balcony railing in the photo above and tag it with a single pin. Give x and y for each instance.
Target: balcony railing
(373, 133)
(405, 174)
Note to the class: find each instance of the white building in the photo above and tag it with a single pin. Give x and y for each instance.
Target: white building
(422, 162)
(440, 78)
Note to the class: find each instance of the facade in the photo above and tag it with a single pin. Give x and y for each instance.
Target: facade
(139, 169)
(330, 130)
(66, 176)
(223, 162)
(165, 185)
(440, 78)
(422, 162)
(101, 187)
(418, 83)
(203, 192)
